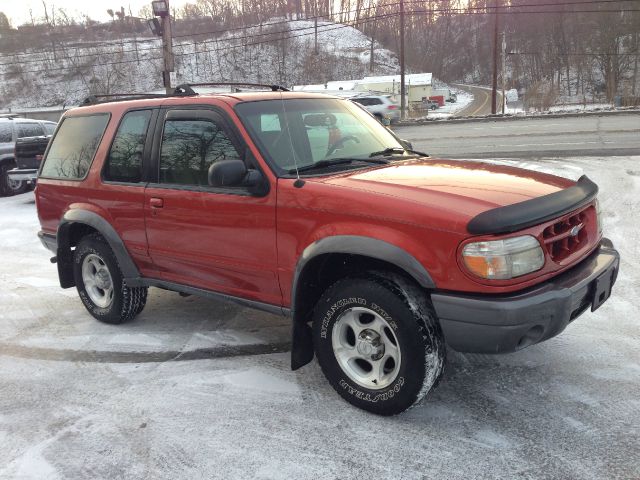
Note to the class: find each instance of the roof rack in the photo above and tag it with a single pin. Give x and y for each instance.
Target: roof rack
(186, 88)
(120, 97)
(9, 115)
(183, 90)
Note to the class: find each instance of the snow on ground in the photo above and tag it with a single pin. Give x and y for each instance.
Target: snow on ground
(587, 107)
(190, 389)
(515, 108)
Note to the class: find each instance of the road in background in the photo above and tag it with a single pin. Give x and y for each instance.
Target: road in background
(589, 135)
(481, 104)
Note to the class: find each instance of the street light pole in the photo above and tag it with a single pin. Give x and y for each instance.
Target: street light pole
(161, 9)
(167, 51)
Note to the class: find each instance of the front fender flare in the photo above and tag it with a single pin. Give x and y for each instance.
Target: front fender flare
(301, 336)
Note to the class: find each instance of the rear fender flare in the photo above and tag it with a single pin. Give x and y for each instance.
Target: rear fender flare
(74, 216)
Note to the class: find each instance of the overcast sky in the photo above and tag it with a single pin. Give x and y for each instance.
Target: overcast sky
(18, 10)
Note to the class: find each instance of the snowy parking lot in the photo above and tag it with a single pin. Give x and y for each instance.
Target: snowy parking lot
(194, 388)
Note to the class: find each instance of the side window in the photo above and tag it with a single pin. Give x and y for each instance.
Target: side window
(74, 146)
(375, 101)
(189, 147)
(29, 130)
(49, 128)
(6, 132)
(124, 163)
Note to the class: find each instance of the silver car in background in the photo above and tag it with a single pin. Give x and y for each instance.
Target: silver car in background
(381, 106)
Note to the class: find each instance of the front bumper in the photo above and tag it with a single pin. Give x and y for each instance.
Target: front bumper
(23, 175)
(506, 323)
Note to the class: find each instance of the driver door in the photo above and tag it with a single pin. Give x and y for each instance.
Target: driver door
(221, 239)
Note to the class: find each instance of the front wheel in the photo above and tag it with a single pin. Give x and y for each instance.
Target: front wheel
(100, 283)
(378, 342)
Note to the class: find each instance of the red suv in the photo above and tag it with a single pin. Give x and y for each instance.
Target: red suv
(304, 205)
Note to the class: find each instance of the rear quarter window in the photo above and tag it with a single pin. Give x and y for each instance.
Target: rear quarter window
(29, 130)
(6, 132)
(74, 146)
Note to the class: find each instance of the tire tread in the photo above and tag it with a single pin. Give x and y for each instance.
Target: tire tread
(133, 298)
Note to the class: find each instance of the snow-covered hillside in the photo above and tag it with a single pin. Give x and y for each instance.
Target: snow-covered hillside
(282, 53)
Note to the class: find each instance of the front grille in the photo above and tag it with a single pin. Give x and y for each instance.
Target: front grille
(564, 238)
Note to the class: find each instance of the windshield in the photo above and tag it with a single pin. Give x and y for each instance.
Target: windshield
(319, 130)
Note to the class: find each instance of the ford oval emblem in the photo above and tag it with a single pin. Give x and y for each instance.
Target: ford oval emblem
(575, 230)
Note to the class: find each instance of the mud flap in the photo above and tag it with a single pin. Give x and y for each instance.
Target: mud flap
(65, 271)
(301, 344)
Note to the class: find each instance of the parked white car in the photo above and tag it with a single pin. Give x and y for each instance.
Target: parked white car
(380, 106)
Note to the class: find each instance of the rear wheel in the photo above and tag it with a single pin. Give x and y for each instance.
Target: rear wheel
(10, 187)
(378, 342)
(100, 283)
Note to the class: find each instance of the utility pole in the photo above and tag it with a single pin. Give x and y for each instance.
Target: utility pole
(504, 68)
(403, 104)
(494, 89)
(371, 55)
(315, 27)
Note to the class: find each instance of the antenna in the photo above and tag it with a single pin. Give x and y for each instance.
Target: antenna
(299, 182)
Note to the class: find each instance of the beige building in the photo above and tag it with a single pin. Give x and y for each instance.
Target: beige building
(418, 85)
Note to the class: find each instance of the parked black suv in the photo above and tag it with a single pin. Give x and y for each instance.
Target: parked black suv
(13, 127)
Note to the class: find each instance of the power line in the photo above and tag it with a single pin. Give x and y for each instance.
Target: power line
(214, 32)
(217, 40)
(226, 48)
(324, 28)
(279, 22)
(483, 10)
(321, 29)
(575, 54)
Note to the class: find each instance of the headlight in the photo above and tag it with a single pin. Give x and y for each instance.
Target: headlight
(504, 259)
(599, 216)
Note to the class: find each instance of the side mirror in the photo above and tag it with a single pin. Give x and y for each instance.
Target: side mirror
(234, 173)
(227, 173)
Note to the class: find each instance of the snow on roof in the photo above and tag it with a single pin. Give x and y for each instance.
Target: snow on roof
(307, 88)
(342, 85)
(410, 79)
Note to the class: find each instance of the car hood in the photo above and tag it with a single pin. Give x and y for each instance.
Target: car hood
(494, 185)
(465, 188)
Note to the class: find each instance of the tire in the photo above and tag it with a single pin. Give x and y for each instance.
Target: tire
(100, 283)
(385, 321)
(7, 186)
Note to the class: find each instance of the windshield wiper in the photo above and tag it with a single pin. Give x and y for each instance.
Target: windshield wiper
(337, 161)
(397, 150)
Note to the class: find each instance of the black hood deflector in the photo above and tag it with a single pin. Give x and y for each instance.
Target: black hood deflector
(535, 211)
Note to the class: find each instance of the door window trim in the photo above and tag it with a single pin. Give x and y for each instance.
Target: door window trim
(146, 151)
(198, 112)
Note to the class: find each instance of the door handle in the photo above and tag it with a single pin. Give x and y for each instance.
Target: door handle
(155, 202)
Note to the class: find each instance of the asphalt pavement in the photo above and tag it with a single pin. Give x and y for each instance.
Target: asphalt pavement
(481, 104)
(588, 135)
